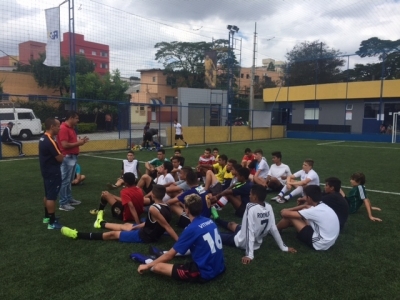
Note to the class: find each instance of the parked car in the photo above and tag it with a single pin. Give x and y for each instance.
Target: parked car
(25, 122)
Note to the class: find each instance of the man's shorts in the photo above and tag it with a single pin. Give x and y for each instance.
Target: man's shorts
(52, 187)
(130, 237)
(228, 239)
(149, 188)
(187, 272)
(216, 188)
(240, 210)
(183, 221)
(179, 136)
(306, 235)
(117, 210)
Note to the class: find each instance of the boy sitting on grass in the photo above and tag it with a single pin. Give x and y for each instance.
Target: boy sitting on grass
(157, 222)
(129, 165)
(258, 220)
(358, 195)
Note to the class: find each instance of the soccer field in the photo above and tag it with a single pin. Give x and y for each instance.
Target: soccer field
(37, 263)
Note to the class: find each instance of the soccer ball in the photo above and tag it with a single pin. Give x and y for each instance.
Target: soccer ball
(161, 146)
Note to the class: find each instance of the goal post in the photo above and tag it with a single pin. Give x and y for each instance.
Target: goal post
(394, 127)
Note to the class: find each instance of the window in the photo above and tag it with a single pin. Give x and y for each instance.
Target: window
(6, 116)
(94, 53)
(104, 54)
(241, 75)
(311, 113)
(371, 110)
(247, 76)
(25, 116)
(154, 78)
(82, 51)
(142, 111)
(170, 100)
(104, 66)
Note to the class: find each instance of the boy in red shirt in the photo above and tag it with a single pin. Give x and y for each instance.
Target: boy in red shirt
(129, 206)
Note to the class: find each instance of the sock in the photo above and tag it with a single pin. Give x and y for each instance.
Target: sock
(90, 236)
(103, 204)
(46, 213)
(103, 224)
(290, 196)
(222, 223)
(52, 218)
(222, 201)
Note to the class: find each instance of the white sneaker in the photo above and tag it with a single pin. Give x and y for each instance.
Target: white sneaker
(281, 200)
(275, 198)
(66, 207)
(287, 197)
(187, 145)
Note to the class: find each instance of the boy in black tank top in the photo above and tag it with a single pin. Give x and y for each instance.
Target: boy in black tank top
(157, 222)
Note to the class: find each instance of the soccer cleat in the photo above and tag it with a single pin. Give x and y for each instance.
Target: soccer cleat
(141, 258)
(99, 219)
(47, 220)
(74, 202)
(287, 197)
(281, 200)
(275, 198)
(155, 251)
(66, 207)
(214, 213)
(21, 155)
(68, 232)
(93, 211)
(55, 225)
(187, 145)
(111, 186)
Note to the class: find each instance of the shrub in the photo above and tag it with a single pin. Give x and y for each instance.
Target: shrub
(86, 127)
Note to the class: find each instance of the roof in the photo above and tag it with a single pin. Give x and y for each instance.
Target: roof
(149, 70)
(156, 102)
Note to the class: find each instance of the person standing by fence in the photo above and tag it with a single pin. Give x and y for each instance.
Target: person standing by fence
(8, 140)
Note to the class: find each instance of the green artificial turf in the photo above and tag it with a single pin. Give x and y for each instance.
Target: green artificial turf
(37, 263)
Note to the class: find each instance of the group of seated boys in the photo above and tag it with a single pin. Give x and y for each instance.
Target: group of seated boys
(196, 195)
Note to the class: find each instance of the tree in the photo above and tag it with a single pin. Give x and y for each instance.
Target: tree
(54, 77)
(388, 52)
(184, 62)
(312, 62)
(271, 66)
(92, 86)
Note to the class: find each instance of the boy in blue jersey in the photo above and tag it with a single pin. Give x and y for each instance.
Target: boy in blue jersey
(202, 238)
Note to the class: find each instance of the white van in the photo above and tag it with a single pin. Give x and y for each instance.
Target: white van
(25, 122)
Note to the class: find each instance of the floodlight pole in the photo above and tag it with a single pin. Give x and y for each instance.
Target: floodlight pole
(232, 29)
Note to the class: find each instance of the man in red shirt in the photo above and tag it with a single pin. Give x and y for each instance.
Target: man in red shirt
(69, 146)
(129, 206)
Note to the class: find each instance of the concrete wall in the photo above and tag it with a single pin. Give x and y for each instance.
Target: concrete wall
(298, 113)
(200, 97)
(224, 134)
(31, 148)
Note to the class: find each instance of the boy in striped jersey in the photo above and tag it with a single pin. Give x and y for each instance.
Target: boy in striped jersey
(357, 196)
(258, 220)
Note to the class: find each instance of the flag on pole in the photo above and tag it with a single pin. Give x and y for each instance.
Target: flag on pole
(53, 58)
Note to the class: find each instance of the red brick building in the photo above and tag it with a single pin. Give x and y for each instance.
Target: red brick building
(98, 53)
(30, 50)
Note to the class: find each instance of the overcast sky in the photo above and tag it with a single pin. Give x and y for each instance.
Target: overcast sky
(132, 27)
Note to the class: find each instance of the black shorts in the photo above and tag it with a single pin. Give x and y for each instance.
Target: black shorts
(228, 239)
(183, 221)
(187, 272)
(52, 187)
(241, 209)
(148, 137)
(306, 235)
(149, 188)
(274, 186)
(216, 189)
(178, 136)
(117, 210)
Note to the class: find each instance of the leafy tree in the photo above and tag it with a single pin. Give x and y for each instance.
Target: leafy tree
(388, 52)
(92, 86)
(271, 66)
(54, 77)
(184, 62)
(312, 62)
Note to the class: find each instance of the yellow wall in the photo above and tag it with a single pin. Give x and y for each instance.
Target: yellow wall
(31, 148)
(211, 134)
(23, 84)
(334, 91)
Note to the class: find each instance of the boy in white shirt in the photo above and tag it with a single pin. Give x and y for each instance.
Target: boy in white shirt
(179, 133)
(129, 165)
(262, 168)
(278, 173)
(317, 224)
(307, 177)
(258, 220)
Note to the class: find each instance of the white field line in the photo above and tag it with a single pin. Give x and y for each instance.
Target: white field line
(330, 143)
(373, 191)
(350, 146)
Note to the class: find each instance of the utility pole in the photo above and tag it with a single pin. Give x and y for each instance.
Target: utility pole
(253, 71)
